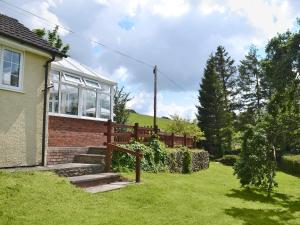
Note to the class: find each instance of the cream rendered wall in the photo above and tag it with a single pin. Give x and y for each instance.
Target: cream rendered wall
(21, 117)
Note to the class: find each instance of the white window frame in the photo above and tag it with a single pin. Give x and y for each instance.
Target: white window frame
(21, 72)
(81, 86)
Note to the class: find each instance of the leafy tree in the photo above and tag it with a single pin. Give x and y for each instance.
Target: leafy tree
(120, 100)
(183, 126)
(53, 38)
(211, 111)
(257, 163)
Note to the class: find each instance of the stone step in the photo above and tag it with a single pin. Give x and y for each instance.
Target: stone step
(90, 158)
(95, 179)
(97, 150)
(107, 187)
(75, 169)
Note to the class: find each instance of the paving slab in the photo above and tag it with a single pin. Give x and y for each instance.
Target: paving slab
(107, 187)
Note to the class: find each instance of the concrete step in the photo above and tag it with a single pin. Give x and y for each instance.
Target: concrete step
(97, 150)
(107, 187)
(90, 158)
(95, 179)
(75, 169)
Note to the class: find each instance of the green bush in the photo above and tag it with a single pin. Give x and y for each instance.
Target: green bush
(290, 164)
(187, 161)
(229, 160)
(153, 160)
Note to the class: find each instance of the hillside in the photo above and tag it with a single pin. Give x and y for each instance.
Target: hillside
(145, 120)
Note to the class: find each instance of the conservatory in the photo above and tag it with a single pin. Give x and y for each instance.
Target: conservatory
(77, 91)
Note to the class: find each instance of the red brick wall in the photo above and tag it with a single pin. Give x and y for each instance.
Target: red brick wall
(59, 155)
(73, 132)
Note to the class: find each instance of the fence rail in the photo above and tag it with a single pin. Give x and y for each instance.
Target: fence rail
(122, 134)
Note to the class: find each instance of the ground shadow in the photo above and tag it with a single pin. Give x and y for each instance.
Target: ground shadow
(287, 207)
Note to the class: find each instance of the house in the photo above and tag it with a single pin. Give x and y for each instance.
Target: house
(51, 108)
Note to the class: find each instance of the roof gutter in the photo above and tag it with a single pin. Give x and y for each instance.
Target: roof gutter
(45, 109)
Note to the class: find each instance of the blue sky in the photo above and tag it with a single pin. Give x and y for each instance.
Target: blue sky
(177, 35)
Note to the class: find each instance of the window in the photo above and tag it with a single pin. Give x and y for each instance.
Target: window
(69, 100)
(89, 103)
(10, 73)
(104, 102)
(79, 96)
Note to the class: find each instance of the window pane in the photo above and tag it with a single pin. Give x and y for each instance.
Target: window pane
(15, 71)
(16, 57)
(54, 75)
(73, 79)
(6, 73)
(104, 106)
(7, 55)
(105, 88)
(69, 100)
(53, 99)
(92, 83)
(89, 103)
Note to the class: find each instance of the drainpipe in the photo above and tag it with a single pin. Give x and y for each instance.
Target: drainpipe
(45, 109)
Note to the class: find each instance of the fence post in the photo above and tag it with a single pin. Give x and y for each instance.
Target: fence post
(194, 141)
(184, 140)
(136, 131)
(172, 140)
(109, 130)
(108, 158)
(138, 166)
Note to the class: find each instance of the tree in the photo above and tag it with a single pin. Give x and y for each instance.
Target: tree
(250, 83)
(181, 126)
(257, 164)
(211, 113)
(53, 38)
(120, 100)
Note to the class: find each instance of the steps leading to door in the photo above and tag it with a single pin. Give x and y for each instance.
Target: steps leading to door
(95, 179)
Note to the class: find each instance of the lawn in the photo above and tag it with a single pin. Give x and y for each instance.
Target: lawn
(145, 120)
(212, 196)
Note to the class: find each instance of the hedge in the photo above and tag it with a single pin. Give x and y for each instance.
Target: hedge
(229, 160)
(178, 161)
(290, 164)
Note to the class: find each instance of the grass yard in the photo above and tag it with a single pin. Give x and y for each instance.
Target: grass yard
(207, 197)
(145, 120)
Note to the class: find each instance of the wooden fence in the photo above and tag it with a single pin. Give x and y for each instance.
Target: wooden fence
(122, 134)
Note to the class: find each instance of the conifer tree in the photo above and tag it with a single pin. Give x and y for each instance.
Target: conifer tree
(211, 109)
(250, 84)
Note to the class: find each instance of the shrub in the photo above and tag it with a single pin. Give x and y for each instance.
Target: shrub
(187, 161)
(290, 164)
(229, 160)
(154, 157)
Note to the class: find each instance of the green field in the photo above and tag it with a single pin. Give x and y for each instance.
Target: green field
(211, 197)
(145, 120)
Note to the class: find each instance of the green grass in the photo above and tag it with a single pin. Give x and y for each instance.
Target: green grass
(212, 196)
(145, 120)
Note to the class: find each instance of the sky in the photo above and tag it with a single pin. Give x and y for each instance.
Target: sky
(176, 35)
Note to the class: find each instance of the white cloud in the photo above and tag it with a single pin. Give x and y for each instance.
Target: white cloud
(171, 8)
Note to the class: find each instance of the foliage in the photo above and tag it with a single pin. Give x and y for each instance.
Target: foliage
(53, 38)
(211, 114)
(183, 126)
(258, 159)
(290, 164)
(186, 161)
(250, 85)
(154, 157)
(229, 160)
(120, 111)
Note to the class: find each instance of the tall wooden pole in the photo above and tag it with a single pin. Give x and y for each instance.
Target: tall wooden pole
(155, 99)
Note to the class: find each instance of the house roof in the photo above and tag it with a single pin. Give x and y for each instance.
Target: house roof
(13, 29)
(72, 66)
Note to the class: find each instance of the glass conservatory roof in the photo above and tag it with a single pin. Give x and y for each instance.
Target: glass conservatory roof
(73, 66)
